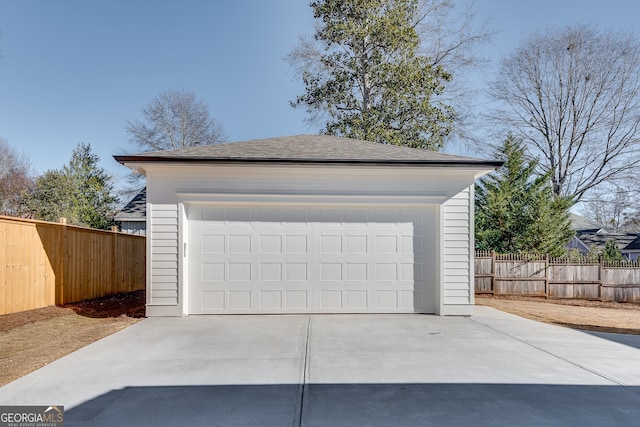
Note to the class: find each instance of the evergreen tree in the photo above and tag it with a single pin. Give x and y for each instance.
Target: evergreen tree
(50, 199)
(81, 191)
(517, 211)
(611, 251)
(364, 73)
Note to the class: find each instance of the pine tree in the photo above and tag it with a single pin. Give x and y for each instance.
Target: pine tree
(365, 73)
(517, 211)
(81, 191)
(93, 200)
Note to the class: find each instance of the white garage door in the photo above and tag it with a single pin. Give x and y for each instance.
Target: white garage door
(274, 259)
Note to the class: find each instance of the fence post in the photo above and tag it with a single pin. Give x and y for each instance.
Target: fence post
(600, 271)
(114, 249)
(546, 276)
(493, 272)
(60, 299)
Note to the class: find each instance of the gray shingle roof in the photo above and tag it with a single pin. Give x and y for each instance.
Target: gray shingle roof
(307, 149)
(593, 238)
(633, 246)
(578, 222)
(135, 210)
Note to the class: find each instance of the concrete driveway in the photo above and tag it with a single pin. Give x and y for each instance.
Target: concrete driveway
(489, 369)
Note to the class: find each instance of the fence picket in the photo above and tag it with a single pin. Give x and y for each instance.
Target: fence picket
(543, 276)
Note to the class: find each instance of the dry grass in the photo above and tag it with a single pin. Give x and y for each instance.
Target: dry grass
(622, 318)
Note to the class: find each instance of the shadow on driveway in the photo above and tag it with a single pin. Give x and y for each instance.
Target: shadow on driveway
(626, 339)
(363, 404)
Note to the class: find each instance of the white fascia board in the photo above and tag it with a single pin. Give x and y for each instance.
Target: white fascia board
(305, 199)
(191, 168)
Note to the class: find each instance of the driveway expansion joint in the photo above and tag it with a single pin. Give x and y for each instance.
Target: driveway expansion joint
(550, 353)
(305, 377)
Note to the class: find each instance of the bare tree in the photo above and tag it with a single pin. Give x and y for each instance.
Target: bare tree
(612, 209)
(451, 36)
(573, 95)
(174, 120)
(15, 179)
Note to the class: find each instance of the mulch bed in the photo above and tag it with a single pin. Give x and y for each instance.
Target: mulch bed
(130, 304)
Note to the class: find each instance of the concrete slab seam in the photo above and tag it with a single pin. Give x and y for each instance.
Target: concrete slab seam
(297, 422)
(593, 371)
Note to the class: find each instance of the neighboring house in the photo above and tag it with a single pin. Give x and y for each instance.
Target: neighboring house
(309, 224)
(133, 217)
(632, 250)
(590, 236)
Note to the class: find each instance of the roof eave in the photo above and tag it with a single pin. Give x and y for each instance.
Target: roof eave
(122, 159)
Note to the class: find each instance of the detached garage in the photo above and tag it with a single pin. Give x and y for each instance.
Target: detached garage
(308, 224)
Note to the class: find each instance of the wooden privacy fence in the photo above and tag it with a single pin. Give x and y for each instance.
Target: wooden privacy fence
(44, 263)
(543, 276)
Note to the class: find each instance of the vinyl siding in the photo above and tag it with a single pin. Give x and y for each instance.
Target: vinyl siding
(164, 254)
(457, 250)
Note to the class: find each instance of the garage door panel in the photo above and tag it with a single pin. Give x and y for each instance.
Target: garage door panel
(296, 300)
(330, 272)
(239, 244)
(212, 300)
(356, 272)
(335, 259)
(330, 244)
(240, 300)
(386, 244)
(213, 272)
(355, 244)
(271, 300)
(270, 271)
(213, 244)
(296, 272)
(331, 299)
(271, 243)
(295, 244)
(239, 271)
(356, 299)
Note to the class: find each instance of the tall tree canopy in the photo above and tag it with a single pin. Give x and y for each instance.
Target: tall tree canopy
(364, 72)
(15, 178)
(174, 120)
(573, 95)
(81, 191)
(516, 211)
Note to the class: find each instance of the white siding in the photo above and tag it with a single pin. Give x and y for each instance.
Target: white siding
(457, 253)
(163, 234)
(137, 228)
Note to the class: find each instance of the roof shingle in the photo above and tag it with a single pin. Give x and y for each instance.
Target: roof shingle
(306, 149)
(136, 209)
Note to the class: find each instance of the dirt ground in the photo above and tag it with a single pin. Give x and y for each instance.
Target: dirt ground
(621, 318)
(32, 339)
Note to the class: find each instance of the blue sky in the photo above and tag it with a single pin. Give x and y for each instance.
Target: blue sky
(74, 71)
